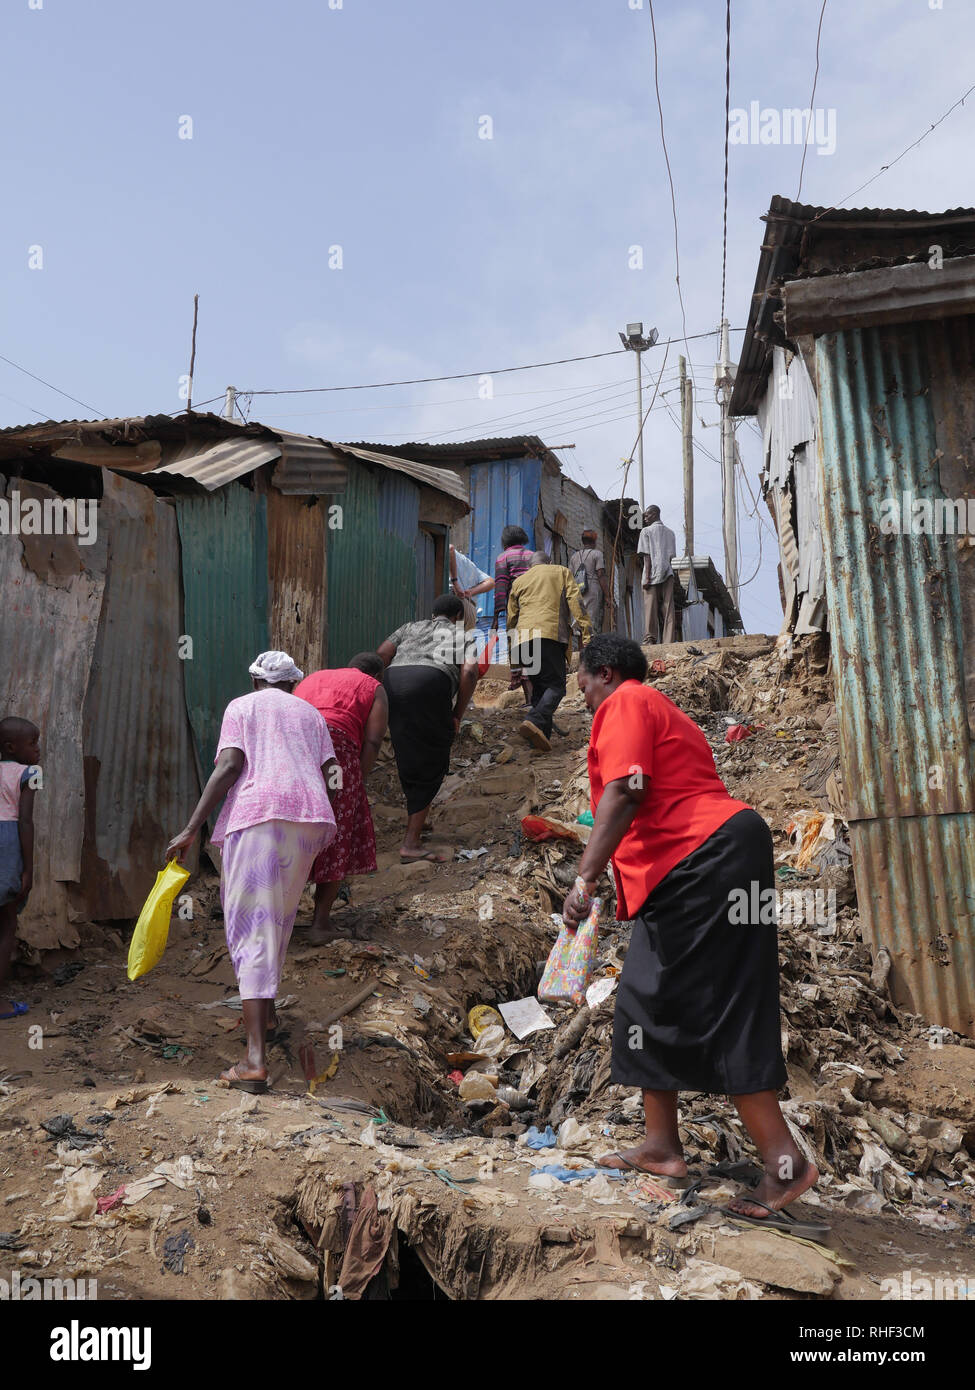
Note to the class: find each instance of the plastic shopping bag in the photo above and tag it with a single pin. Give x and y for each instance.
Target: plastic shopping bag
(569, 967)
(152, 929)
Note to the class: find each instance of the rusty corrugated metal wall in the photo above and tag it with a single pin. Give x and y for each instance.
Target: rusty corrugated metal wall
(898, 618)
(223, 540)
(141, 782)
(296, 538)
(52, 596)
(372, 565)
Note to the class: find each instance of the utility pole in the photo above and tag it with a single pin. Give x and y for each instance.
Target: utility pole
(724, 378)
(687, 448)
(687, 436)
(634, 341)
(229, 401)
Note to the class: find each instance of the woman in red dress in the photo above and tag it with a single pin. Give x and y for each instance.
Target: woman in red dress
(353, 704)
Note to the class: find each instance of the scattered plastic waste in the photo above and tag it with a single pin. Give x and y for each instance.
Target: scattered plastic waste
(114, 1199)
(481, 1017)
(477, 1086)
(535, 1139)
(525, 1016)
(540, 828)
(563, 1174)
(599, 991)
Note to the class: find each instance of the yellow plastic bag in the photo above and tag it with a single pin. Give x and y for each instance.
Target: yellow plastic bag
(152, 929)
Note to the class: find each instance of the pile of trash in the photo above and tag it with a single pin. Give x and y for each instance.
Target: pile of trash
(842, 1034)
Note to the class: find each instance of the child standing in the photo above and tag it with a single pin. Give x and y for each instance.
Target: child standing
(20, 752)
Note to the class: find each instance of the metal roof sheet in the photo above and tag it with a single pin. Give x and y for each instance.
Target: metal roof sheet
(215, 465)
(441, 479)
(213, 451)
(803, 240)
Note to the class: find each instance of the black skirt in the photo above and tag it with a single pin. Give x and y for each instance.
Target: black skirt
(698, 1002)
(421, 727)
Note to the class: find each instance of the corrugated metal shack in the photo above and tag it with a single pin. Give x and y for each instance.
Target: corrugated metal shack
(519, 481)
(880, 305)
(214, 540)
(713, 613)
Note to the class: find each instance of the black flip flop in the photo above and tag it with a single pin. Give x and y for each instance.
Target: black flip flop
(253, 1085)
(664, 1179)
(742, 1170)
(780, 1220)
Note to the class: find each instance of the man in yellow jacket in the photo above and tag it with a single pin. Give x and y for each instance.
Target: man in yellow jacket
(542, 603)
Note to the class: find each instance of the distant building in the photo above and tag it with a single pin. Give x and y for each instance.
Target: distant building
(519, 481)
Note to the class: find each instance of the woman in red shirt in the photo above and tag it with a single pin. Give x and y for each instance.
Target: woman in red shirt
(697, 1007)
(353, 704)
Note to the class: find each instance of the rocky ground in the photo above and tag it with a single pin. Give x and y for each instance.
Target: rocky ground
(123, 1160)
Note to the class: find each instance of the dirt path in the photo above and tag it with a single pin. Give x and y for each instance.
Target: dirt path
(237, 1196)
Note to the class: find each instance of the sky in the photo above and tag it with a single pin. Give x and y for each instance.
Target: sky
(367, 191)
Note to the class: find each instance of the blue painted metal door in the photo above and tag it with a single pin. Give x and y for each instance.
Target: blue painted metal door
(502, 494)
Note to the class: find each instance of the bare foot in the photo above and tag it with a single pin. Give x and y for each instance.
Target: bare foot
(775, 1192)
(408, 855)
(324, 936)
(646, 1160)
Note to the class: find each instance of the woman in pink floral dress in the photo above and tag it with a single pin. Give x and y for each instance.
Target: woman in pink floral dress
(353, 703)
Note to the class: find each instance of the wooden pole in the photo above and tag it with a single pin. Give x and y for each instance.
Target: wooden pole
(687, 435)
(189, 394)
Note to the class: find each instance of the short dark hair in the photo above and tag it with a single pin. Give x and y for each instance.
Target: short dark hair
(620, 653)
(13, 729)
(513, 535)
(448, 606)
(590, 535)
(370, 663)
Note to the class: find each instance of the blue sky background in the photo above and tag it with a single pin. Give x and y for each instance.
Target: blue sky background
(358, 127)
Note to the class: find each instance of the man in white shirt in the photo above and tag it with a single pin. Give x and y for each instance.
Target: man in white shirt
(468, 581)
(658, 546)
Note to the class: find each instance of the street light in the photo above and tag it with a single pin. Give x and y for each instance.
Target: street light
(634, 341)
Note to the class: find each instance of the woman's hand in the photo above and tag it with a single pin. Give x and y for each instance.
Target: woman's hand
(26, 884)
(577, 906)
(179, 844)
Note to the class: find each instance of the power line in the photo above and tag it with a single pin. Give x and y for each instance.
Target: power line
(100, 413)
(805, 143)
(24, 406)
(673, 195)
(530, 423)
(550, 411)
(727, 122)
(884, 167)
(466, 376)
(567, 391)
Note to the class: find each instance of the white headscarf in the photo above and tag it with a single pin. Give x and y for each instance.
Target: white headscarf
(275, 667)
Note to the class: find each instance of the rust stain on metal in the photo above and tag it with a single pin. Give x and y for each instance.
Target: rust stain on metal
(140, 773)
(296, 528)
(47, 631)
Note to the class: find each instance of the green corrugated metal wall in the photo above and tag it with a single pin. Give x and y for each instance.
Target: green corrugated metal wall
(223, 539)
(371, 562)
